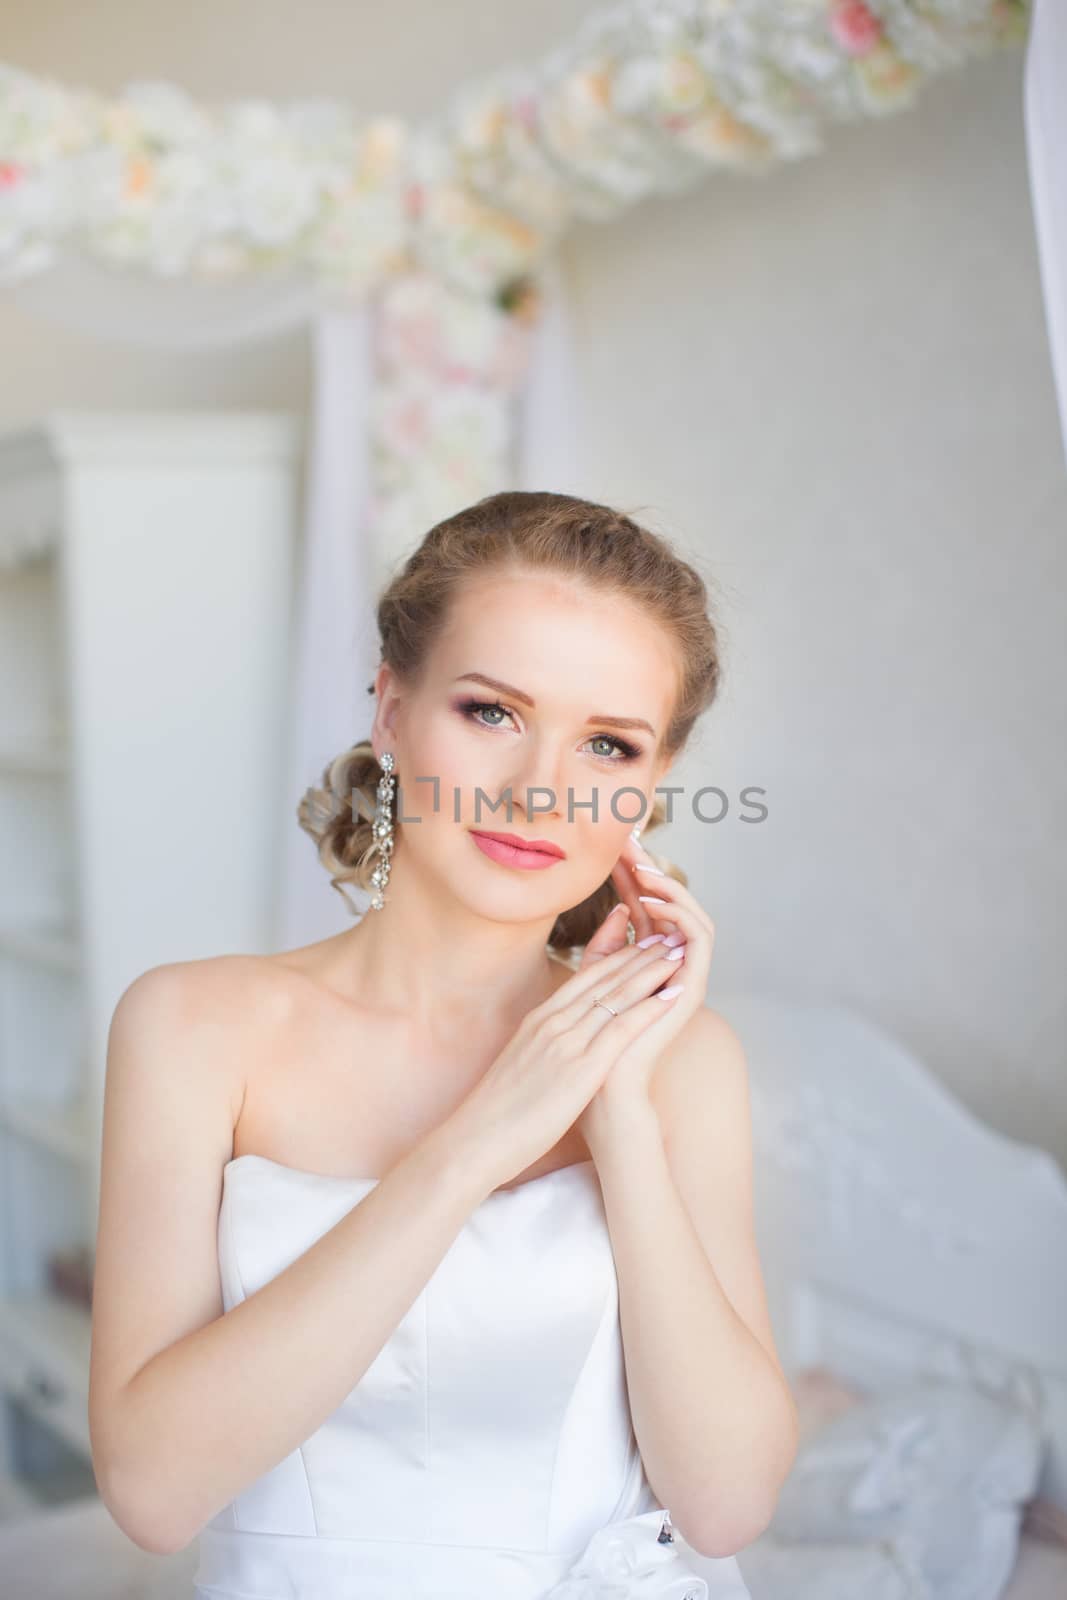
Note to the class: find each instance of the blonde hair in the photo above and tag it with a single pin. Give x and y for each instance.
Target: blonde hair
(505, 532)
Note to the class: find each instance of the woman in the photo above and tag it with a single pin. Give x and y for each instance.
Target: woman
(482, 1215)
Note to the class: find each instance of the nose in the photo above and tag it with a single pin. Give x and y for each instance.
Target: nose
(537, 780)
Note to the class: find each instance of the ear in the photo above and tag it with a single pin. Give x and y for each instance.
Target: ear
(386, 716)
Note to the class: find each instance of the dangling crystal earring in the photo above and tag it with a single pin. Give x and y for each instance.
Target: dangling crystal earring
(382, 830)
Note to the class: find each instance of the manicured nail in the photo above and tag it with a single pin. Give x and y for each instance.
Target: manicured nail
(676, 954)
(653, 899)
(653, 938)
(620, 905)
(646, 866)
(675, 938)
(670, 991)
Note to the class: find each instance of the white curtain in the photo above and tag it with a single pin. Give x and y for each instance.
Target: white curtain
(334, 637)
(1046, 138)
(548, 446)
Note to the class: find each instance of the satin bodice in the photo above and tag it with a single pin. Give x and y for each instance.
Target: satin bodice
(489, 1441)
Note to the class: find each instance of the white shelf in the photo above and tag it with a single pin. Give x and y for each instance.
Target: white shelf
(53, 946)
(35, 758)
(44, 1360)
(62, 1130)
(145, 607)
(44, 1324)
(16, 1498)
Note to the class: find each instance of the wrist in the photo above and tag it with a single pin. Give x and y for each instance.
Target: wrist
(456, 1160)
(625, 1125)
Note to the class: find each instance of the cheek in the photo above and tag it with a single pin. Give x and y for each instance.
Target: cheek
(452, 766)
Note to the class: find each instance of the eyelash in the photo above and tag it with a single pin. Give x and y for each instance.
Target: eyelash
(468, 708)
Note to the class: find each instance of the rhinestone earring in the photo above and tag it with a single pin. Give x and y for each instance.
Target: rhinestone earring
(383, 830)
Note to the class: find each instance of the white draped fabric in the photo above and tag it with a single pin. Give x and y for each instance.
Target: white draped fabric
(1046, 137)
(334, 641)
(548, 443)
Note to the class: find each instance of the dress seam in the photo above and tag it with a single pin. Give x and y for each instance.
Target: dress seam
(610, 1308)
(227, 1208)
(431, 1511)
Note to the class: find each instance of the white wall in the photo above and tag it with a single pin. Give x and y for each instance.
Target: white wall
(833, 385)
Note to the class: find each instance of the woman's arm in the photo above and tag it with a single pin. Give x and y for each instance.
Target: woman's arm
(187, 1406)
(714, 1417)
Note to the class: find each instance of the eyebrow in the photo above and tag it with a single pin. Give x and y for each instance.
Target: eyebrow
(517, 694)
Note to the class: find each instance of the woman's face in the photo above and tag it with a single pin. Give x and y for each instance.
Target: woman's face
(576, 664)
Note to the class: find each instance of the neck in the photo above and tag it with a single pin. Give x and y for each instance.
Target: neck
(456, 977)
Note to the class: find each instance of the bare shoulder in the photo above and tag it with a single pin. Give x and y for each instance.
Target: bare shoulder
(174, 1082)
(202, 1017)
(193, 990)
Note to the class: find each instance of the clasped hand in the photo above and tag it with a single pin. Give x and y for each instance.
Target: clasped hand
(657, 905)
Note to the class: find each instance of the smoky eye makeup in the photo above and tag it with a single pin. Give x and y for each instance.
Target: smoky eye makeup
(473, 710)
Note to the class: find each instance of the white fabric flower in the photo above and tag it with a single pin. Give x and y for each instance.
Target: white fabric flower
(626, 1561)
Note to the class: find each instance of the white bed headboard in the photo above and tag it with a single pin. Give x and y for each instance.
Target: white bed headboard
(900, 1236)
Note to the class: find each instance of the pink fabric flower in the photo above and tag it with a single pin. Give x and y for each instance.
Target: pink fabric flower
(856, 29)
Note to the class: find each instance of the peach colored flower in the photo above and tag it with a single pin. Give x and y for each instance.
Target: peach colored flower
(138, 176)
(888, 80)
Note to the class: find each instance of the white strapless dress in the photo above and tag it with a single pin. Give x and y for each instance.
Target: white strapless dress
(487, 1453)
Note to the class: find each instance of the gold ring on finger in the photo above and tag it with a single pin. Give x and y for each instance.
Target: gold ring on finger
(604, 1003)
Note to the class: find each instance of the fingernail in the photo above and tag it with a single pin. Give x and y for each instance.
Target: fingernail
(653, 899)
(676, 954)
(653, 938)
(646, 866)
(675, 938)
(670, 991)
(620, 905)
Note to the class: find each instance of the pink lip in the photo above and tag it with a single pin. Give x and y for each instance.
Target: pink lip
(508, 849)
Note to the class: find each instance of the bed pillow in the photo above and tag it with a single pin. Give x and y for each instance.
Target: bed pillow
(940, 1469)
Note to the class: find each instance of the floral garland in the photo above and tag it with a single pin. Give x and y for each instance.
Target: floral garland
(647, 97)
(447, 222)
(448, 368)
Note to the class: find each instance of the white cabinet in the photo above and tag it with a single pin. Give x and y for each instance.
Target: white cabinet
(146, 568)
